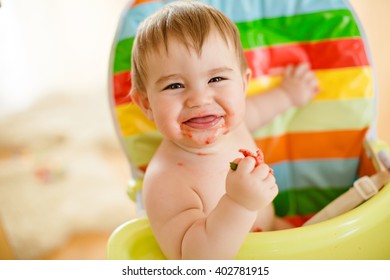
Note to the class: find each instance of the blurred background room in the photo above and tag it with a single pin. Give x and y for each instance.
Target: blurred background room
(63, 173)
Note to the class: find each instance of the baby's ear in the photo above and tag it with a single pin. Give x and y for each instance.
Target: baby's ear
(247, 78)
(141, 99)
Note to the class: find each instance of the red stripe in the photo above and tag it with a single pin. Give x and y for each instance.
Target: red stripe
(321, 55)
(297, 221)
(122, 86)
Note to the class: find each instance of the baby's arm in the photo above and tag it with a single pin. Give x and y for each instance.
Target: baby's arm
(298, 87)
(248, 190)
(183, 229)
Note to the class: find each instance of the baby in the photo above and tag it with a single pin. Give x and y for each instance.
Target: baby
(190, 76)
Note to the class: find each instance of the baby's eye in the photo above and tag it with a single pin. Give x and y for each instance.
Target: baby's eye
(174, 86)
(216, 79)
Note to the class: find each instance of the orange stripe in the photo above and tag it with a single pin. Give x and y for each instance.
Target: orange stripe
(138, 2)
(312, 145)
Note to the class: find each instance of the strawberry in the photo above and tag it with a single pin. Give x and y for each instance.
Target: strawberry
(259, 158)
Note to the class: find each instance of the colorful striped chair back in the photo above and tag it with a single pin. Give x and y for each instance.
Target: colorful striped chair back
(316, 151)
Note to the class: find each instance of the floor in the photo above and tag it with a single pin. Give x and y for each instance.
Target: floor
(82, 247)
(5, 249)
(87, 246)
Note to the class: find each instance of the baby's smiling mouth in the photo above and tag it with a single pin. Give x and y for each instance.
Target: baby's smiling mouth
(203, 122)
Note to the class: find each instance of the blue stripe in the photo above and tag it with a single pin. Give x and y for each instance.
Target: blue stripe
(316, 173)
(236, 10)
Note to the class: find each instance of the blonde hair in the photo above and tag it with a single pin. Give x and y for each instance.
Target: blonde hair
(188, 21)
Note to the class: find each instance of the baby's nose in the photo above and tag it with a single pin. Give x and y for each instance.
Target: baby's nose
(198, 98)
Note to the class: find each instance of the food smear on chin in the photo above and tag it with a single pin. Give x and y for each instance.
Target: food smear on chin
(185, 132)
(258, 156)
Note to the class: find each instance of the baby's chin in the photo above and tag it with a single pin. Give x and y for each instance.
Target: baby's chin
(205, 138)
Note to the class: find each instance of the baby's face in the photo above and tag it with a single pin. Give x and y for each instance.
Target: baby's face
(196, 99)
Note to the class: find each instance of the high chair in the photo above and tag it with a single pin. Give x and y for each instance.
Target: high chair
(317, 151)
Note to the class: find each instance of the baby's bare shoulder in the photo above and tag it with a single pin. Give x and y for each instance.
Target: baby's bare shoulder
(170, 188)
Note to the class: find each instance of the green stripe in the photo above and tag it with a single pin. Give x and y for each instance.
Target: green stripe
(322, 115)
(300, 28)
(305, 201)
(122, 58)
(273, 31)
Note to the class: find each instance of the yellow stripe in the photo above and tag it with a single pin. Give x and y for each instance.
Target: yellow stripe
(316, 116)
(353, 85)
(342, 83)
(132, 120)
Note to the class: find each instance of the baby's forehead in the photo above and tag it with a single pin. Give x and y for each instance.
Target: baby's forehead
(164, 46)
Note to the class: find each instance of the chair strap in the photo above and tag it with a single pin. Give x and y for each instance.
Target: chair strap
(363, 189)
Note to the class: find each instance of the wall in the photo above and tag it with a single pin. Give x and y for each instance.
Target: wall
(54, 46)
(51, 46)
(375, 18)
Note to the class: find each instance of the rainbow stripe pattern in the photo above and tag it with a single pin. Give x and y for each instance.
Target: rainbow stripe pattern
(316, 151)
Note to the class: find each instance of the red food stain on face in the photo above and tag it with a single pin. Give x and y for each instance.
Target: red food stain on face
(186, 134)
(210, 139)
(180, 164)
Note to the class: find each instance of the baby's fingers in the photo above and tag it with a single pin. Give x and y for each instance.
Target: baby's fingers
(296, 71)
(263, 171)
(270, 183)
(289, 71)
(309, 76)
(311, 81)
(246, 165)
(301, 70)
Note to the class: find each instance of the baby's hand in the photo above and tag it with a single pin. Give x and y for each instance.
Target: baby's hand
(299, 84)
(253, 187)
